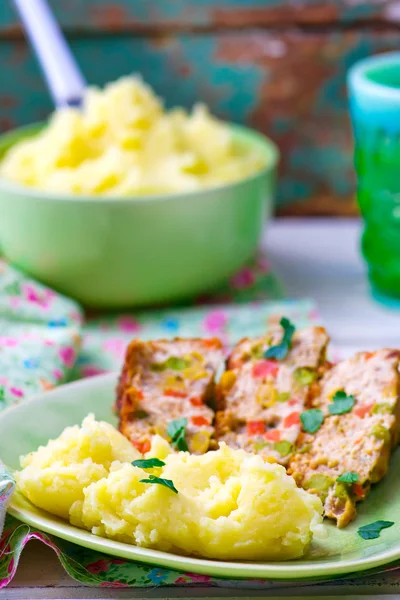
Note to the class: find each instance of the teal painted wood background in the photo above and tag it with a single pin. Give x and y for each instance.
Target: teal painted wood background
(277, 65)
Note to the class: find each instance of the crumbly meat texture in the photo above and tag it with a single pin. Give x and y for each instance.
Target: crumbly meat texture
(165, 380)
(359, 441)
(260, 400)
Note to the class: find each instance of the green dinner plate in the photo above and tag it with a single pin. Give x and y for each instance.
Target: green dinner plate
(33, 423)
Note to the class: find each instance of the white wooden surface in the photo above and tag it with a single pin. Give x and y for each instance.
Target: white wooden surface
(314, 258)
(320, 259)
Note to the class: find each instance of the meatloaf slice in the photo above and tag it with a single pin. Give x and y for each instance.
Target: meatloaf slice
(259, 400)
(165, 380)
(357, 442)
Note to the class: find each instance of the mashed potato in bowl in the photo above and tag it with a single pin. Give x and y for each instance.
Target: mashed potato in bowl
(123, 143)
(226, 504)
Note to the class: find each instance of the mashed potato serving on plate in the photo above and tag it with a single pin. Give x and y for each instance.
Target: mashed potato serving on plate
(226, 504)
(123, 143)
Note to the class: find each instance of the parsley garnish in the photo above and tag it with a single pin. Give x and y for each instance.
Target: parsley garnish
(280, 350)
(348, 477)
(148, 463)
(342, 403)
(176, 431)
(372, 531)
(312, 419)
(165, 482)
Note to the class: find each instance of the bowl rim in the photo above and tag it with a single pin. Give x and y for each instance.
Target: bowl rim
(256, 137)
(357, 75)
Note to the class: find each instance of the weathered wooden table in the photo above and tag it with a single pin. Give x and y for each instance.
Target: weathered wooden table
(315, 258)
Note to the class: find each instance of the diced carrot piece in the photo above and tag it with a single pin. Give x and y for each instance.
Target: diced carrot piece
(174, 393)
(143, 446)
(272, 435)
(196, 401)
(212, 343)
(139, 394)
(263, 368)
(199, 420)
(255, 427)
(362, 410)
(358, 490)
(292, 419)
(368, 355)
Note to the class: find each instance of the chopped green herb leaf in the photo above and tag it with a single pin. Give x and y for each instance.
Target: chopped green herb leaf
(304, 376)
(166, 482)
(283, 396)
(148, 463)
(372, 531)
(348, 477)
(176, 431)
(174, 427)
(342, 403)
(280, 350)
(173, 362)
(283, 448)
(312, 419)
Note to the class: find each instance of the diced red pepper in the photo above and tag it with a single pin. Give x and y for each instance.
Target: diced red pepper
(174, 393)
(273, 435)
(236, 363)
(358, 490)
(263, 368)
(199, 420)
(255, 427)
(292, 419)
(196, 401)
(292, 402)
(139, 394)
(143, 446)
(362, 410)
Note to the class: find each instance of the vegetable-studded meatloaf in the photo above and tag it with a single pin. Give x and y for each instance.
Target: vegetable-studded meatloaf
(164, 381)
(262, 394)
(355, 421)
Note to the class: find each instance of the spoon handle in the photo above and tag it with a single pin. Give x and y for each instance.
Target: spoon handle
(63, 76)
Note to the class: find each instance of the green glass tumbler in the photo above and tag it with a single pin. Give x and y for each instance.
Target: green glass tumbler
(374, 93)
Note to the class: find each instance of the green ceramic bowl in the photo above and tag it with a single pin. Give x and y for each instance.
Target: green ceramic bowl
(121, 252)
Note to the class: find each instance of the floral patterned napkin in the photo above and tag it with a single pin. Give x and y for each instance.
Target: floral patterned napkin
(45, 340)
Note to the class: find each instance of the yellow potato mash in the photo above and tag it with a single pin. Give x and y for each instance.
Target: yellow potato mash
(229, 504)
(123, 143)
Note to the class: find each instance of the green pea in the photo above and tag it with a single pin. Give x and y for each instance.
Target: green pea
(319, 482)
(382, 408)
(381, 433)
(304, 376)
(283, 448)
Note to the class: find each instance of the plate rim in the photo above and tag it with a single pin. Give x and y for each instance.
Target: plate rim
(281, 571)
